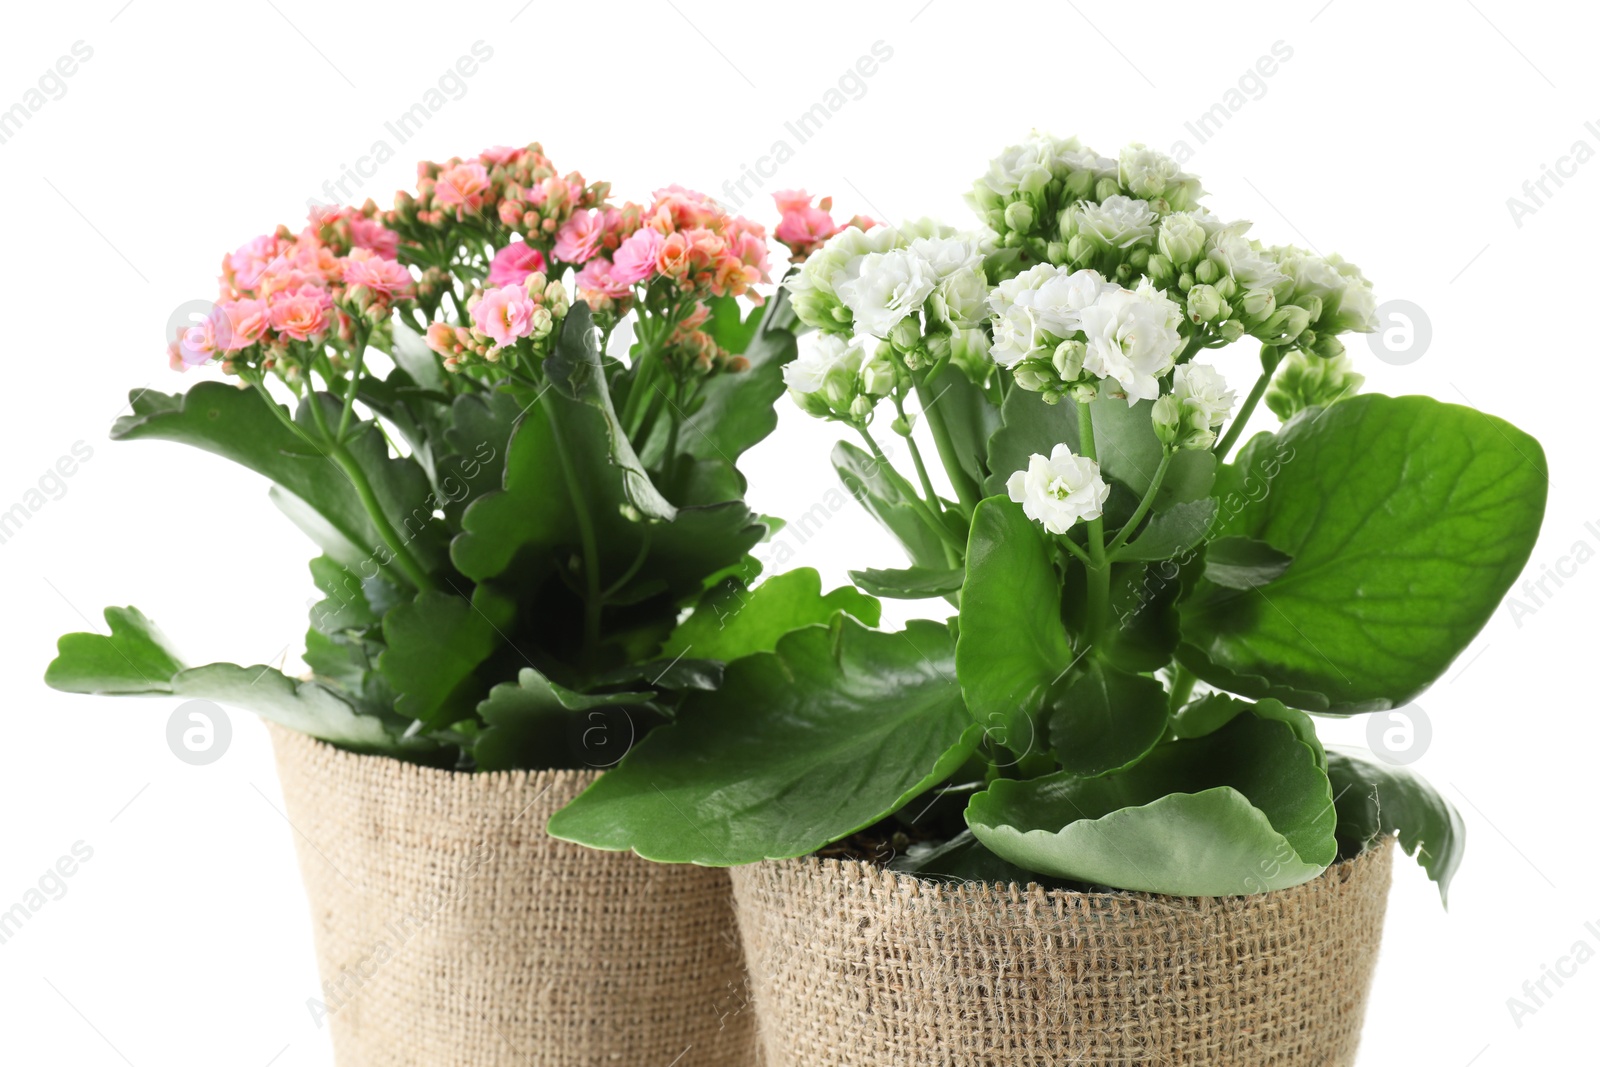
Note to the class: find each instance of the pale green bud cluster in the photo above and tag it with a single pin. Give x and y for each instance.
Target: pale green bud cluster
(839, 378)
(1305, 381)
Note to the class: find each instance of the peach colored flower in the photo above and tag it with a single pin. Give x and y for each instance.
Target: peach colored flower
(462, 185)
(365, 267)
(240, 323)
(301, 314)
(673, 260)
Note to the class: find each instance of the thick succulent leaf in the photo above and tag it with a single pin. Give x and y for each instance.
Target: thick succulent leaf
(1102, 720)
(910, 583)
(736, 411)
(732, 622)
(435, 645)
(236, 424)
(837, 728)
(1244, 563)
(1245, 809)
(961, 859)
(1172, 532)
(1375, 799)
(969, 418)
(533, 723)
(1125, 441)
(1407, 521)
(1013, 647)
(864, 478)
(135, 657)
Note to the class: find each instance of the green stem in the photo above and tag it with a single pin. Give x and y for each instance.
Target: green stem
(1144, 506)
(593, 600)
(360, 345)
(916, 456)
(1099, 571)
(1237, 426)
(369, 501)
(930, 517)
(967, 490)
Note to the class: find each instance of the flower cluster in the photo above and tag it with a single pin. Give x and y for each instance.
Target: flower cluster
(530, 308)
(501, 189)
(1190, 415)
(285, 295)
(803, 228)
(922, 287)
(838, 377)
(1305, 381)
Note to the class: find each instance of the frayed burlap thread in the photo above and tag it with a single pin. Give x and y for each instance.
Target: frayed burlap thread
(452, 932)
(855, 966)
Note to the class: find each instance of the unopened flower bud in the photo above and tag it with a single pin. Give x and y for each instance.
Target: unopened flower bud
(1256, 304)
(1160, 270)
(1068, 359)
(1207, 271)
(1106, 188)
(1284, 325)
(1084, 392)
(1019, 215)
(901, 426)
(860, 408)
(1231, 330)
(1166, 415)
(1031, 376)
(1080, 250)
(1205, 304)
(905, 334)
(1313, 306)
(1328, 346)
(1305, 381)
(534, 283)
(1079, 184)
(1056, 252)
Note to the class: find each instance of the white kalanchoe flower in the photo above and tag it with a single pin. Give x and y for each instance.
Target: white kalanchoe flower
(826, 354)
(1132, 337)
(890, 286)
(1201, 388)
(1059, 491)
(1117, 221)
(1151, 175)
(813, 290)
(1040, 308)
(1243, 259)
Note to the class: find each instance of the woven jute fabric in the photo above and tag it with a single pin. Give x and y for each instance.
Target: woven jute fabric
(855, 966)
(452, 932)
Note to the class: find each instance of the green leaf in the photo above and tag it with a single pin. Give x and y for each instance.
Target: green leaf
(910, 583)
(135, 658)
(1377, 799)
(1013, 646)
(435, 645)
(1102, 720)
(1246, 809)
(1244, 563)
(865, 479)
(306, 707)
(1172, 532)
(1207, 715)
(732, 621)
(1125, 442)
(802, 746)
(236, 424)
(969, 418)
(531, 724)
(961, 859)
(1407, 520)
(736, 411)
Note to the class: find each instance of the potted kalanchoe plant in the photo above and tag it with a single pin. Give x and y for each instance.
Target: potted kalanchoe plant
(520, 536)
(1109, 745)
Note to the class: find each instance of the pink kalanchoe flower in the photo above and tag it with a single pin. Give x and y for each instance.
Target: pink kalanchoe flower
(580, 237)
(636, 258)
(243, 267)
(365, 267)
(513, 263)
(500, 154)
(682, 208)
(504, 315)
(198, 344)
(370, 233)
(789, 200)
(240, 323)
(598, 279)
(462, 185)
(301, 314)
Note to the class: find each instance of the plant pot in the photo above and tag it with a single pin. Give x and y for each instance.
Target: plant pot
(452, 932)
(851, 964)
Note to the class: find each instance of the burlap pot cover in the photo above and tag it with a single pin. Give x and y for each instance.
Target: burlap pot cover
(854, 965)
(451, 932)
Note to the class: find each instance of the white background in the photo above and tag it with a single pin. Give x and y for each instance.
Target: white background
(1394, 134)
